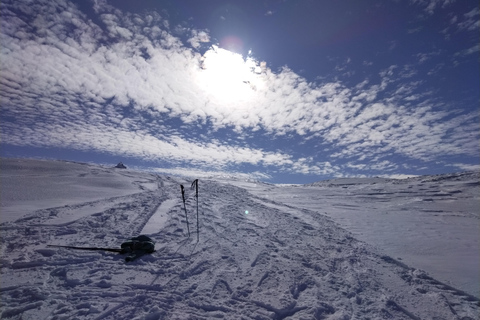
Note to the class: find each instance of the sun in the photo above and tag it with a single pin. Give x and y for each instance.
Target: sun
(226, 76)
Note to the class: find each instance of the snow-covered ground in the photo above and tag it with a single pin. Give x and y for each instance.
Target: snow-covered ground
(341, 249)
(431, 223)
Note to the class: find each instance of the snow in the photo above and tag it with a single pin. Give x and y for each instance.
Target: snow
(67, 184)
(160, 217)
(431, 223)
(340, 249)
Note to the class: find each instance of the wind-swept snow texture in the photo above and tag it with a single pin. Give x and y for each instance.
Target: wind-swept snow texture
(259, 255)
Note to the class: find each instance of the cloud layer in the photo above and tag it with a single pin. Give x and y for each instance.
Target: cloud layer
(126, 85)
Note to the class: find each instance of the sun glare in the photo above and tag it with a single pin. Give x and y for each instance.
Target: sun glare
(227, 76)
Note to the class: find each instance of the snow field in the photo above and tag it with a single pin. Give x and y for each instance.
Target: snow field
(431, 223)
(279, 261)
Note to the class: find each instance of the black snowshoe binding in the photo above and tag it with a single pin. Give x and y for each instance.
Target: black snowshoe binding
(137, 247)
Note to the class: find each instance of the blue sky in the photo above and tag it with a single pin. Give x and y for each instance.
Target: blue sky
(280, 91)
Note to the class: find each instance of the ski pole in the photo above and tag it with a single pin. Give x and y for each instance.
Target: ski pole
(87, 248)
(195, 185)
(185, 208)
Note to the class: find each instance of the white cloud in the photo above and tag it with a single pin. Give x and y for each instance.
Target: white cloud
(423, 57)
(467, 22)
(467, 167)
(469, 51)
(99, 137)
(198, 37)
(115, 90)
(470, 20)
(205, 174)
(430, 6)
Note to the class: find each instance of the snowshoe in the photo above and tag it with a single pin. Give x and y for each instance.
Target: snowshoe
(137, 247)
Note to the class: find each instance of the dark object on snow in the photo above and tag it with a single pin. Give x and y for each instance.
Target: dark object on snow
(185, 207)
(195, 186)
(87, 248)
(120, 166)
(134, 247)
(137, 247)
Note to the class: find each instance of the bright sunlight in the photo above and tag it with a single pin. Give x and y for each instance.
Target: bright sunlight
(228, 77)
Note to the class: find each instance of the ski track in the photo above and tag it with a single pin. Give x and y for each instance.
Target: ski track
(276, 262)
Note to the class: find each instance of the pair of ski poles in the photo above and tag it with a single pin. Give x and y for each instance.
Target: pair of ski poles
(193, 186)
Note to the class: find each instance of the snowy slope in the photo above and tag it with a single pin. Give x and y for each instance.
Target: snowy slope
(279, 261)
(31, 185)
(431, 222)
